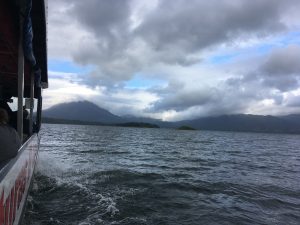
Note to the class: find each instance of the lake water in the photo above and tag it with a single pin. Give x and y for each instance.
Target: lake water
(113, 175)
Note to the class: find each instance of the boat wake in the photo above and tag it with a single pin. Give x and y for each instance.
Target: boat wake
(74, 196)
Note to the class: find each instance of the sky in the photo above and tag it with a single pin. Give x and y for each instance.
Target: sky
(175, 59)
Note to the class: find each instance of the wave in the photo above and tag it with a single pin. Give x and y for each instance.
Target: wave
(163, 178)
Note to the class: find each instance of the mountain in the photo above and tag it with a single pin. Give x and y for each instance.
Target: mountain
(81, 111)
(293, 118)
(85, 112)
(249, 123)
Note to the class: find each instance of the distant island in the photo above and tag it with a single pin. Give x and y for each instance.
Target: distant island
(186, 128)
(136, 124)
(85, 112)
(75, 122)
(79, 122)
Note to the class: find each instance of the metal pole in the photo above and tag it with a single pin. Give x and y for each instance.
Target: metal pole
(31, 103)
(20, 81)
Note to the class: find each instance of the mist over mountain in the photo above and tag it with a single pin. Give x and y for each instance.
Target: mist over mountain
(85, 111)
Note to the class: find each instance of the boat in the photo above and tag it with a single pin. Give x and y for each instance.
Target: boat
(23, 75)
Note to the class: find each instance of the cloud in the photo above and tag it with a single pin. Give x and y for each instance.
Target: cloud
(108, 22)
(173, 41)
(281, 69)
(64, 89)
(199, 24)
(294, 101)
(182, 99)
(283, 62)
(263, 83)
(68, 87)
(283, 84)
(121, 38)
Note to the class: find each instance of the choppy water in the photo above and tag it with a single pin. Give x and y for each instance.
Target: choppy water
(109, 175)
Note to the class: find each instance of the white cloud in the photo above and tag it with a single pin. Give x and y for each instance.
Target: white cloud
(120, 101)
(63, 90)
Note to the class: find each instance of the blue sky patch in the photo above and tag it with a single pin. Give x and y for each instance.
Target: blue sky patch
(139, 82)
(219, 59)
(67, 67)
(292, 38)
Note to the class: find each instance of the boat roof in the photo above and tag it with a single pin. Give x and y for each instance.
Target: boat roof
(10, 15)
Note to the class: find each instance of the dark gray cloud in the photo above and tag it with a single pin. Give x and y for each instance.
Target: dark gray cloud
(283, 62)
(282, 84)
(280, 69)
(103, 17)
(180, 100)
(108, 21)
(293, 101)
(174, 32)
(227, 98)
(194, 25)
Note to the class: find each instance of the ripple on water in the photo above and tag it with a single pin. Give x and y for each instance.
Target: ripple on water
(109, 175)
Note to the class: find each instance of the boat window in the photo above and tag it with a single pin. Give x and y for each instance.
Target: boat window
(13, 104)
(28, 126)
(35, 111)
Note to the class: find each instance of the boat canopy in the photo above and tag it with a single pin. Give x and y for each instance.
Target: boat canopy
(23, 21)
